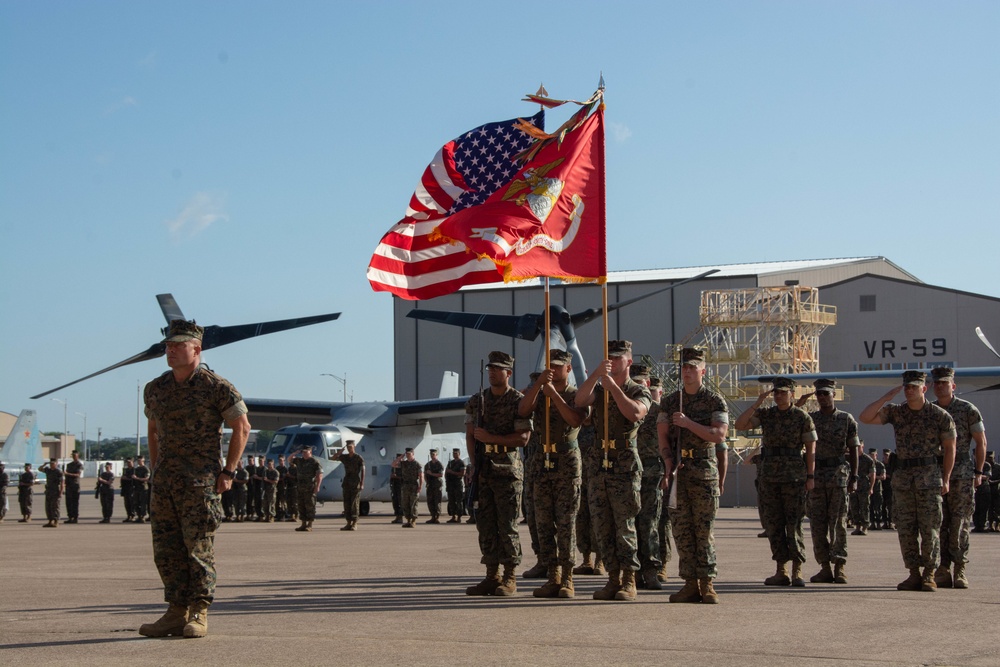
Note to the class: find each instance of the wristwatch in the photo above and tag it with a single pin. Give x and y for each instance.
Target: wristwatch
(228, 473)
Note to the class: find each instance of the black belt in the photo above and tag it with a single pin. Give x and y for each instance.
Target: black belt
(831, 462)
(698, 453)
(782, 451)
(905, 464)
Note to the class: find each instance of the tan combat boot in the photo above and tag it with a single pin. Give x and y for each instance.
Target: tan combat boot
(838, 574)
(586, 567)
(824, 576)
(347, 526)
(48, 524)
(536, 571)
(780, 576)
(487, 585)
(927, 583)
(599, 568)
(942, 577)
(627, 591)
(566, 589)
(961, 581)
(912, 582)
(610, 588)
(550, 589)
(797, 579)
(170, 624)
(508, 584)
(708, 594)
(197, 625)
(691, 592)
(661, 574)
(304, 527)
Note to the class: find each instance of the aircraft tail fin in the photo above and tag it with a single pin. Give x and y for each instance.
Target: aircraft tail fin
(449, 385)
(24, 444)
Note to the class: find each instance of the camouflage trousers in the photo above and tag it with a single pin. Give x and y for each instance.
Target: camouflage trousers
(496, 518)
(694, 526)
(456, 498)
(875, 515)
(614, 504)
(52, 505)
(270, 498)
(240, 499)
(918, 522)
(956, 511)
(828, 523)
(556, 495)
(352, 501)
(107, 495)
(782, 508)
(291, 499)
(396, 495)
(3, 502)
(528, 504)
(408, 501)
(584, 526)
(140, 498)
(306, 501)
(665, 532)
(434, 500)
(647, 521)
(183, 519)
(860, 507)
(24, 500)
(73, 501)
(126, 495)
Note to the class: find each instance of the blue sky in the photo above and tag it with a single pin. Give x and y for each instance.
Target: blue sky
(247, 157)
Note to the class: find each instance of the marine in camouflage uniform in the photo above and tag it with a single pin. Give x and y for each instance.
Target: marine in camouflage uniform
(308, 476)
(875, 507)
(106, 492)
(281, 491)
(785, 476)
(412, 477)
(861, 499)
(837, 446)
(25, 489)
(924, 432)
(4, 481)
(396, 488)
(54, 486)
(292, 491)
(186, 408)
(269, 481)
(434, 478)
(239, 491)
(125, 490)
(454, 482)
(352, 484)
(967, 475)
(74, 471)
(493, 434)
(140, 490)
(651, 505)
(614, 487)
(555, 472)
(696, 423)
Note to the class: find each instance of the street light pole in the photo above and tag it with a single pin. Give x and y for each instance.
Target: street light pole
(341, 380)
(84, 415)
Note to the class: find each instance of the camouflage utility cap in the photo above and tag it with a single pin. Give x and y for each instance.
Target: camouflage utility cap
(182, 330)
(693, 356)
(783, 384)
(824, 385)
(655, 382)
(560, 358)
(639, 372)
(915, 377)
(619, 348)
(501, 360)
(942, 373)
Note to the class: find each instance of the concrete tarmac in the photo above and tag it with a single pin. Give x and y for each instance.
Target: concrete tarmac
(76, 595)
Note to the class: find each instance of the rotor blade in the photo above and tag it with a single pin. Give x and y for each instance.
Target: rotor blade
(986, 342)
(168, 306)
(155, 350)
(216, 336)
(525, 327)
(593, 313)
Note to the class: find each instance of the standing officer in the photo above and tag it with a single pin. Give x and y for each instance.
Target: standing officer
(4, 481)
(270, 482)
(396, 488)
(412, 477)
(239, 490)
(555, 472)
(651, 509)
(434, 476)
(698, 422)
(837, 446)
(889, 459)
(106, 492)
(281, 493)
(292, 490)
(257, 488)
(73, 473)
(251, 470)
(454, 482)
(924, 432)
(784, 476)
(493, 433)
(352, 485)
(966, 476)
(25, 488)
(125, 489)
(54, 487)
(309, 475)
(140, 490)
(614, 488)
(186, 408)
(861, 499)
(875, 515)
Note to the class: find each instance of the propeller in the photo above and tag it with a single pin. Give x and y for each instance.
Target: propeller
(215, 336)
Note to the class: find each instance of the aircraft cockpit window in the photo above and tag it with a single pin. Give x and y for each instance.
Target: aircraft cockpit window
(278, 445)
(313, 441)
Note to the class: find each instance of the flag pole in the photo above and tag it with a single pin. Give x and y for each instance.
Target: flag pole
(547, 442)
(604, 310)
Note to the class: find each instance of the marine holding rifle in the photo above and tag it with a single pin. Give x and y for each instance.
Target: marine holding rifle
(493, 432)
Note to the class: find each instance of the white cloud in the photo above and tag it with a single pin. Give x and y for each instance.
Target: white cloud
(620, 132)
(118, 105)
(200, 212)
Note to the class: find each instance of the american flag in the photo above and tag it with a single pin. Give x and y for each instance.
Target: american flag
(463, 173)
